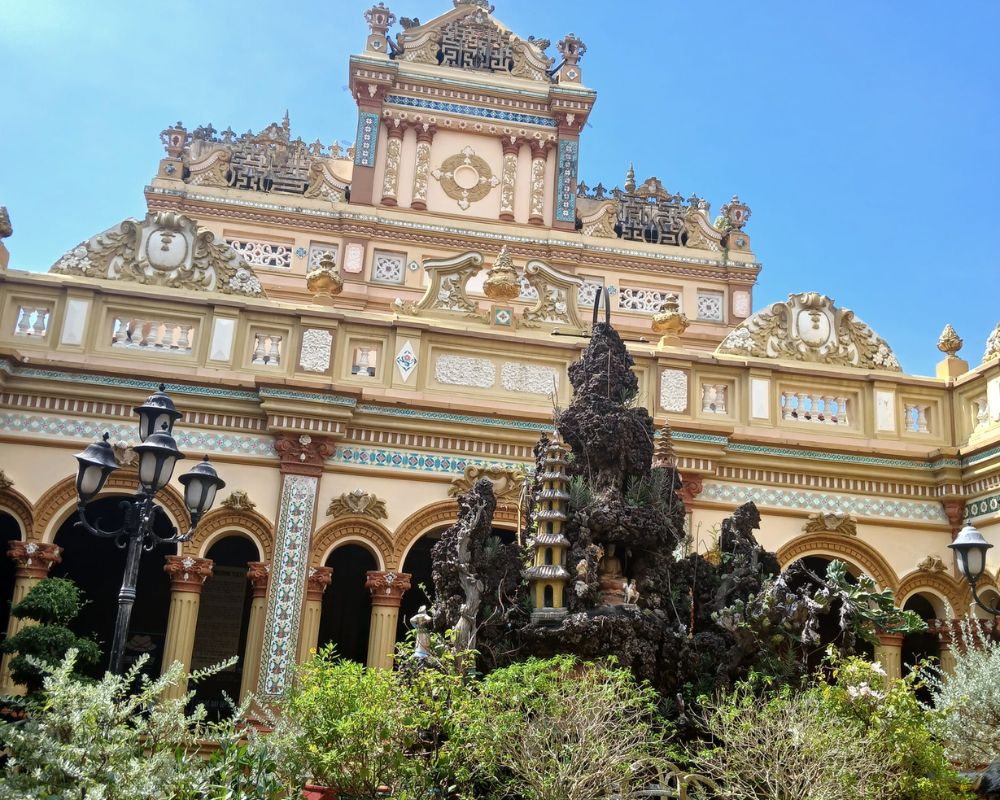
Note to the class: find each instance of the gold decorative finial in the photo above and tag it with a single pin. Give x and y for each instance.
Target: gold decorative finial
(325, 280)
(630, 178)
(949, 342)
(670, 321)
(502, 281)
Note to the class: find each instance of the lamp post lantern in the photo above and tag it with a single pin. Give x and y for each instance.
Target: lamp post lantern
(970, 554)
(158, 455)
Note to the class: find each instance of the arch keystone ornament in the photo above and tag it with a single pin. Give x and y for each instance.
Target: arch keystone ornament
(359, 503)
(165, 249)
(809, 327)
(834, 522)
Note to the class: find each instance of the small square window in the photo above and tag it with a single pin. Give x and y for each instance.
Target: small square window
(365, 361)
(388, 267)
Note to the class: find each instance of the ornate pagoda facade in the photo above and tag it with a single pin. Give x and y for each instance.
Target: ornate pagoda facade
(355, 334)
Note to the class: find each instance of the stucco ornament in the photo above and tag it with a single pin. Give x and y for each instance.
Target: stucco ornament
(834, 522)
(315, 353)
(357, 503)
(239, 500)
(502, 281)
(465, 177)
(5, 482)
(809, 327)
(447, 291)
(670, 320)
(508, 484)
(993, 345)
(949, 342)
(165, 249)
(932, 564)
(555, 296)
(325, 280)
(529, 378)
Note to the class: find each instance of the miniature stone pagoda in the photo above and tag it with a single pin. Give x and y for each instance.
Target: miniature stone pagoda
(548, 576)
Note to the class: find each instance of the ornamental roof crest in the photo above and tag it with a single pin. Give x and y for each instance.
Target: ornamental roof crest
(165, 249)
(470, 38)
(809, 327)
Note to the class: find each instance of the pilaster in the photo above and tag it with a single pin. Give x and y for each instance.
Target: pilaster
(422, 167)
(393, 153)
(301, 465)
(536, 202)
(387, 590)
(319, 578)
(508, 176)
(187, 577)
(257, 574)
(33, 561)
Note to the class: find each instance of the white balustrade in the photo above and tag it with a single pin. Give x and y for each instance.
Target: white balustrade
(915, 417)
(817, 407)
(32, 321)
(164, 336)
(981, 413)
(713, 397)
(266, 350)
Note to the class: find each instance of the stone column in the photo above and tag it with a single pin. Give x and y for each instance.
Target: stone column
(393, 151)
(302, 458)
(508, 176)
(319, 579)
(33, 560)
(257, 573)
(387, 590)
(422, 167)
(536, 203)
(889, 653)
(187, 576)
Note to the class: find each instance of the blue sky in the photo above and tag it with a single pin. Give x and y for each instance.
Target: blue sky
(864, 135)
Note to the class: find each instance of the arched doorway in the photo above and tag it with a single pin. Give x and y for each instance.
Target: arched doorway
(918, 646)
(829, 627)
(97, 565)
(347, 605)
(10, 531)
(223, 622)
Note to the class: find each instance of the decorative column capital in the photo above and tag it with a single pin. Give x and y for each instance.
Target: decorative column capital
(425, 132)
(258, 573)
(890, 639)
(511, 145)
(691, 485)
(187, 574)
(34, 559)
(539, 149)
(387, 587)
(319, 578)
(395, 128)
(302, 454)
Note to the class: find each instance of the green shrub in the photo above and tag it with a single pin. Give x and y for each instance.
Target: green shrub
(52, 603)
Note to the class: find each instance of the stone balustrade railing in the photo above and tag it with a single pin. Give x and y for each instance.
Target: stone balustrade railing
(32, 320)
(822, 409)
(165, 336)
(266, 350)
(916, 417)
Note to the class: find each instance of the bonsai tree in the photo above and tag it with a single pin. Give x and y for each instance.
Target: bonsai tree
(53, 603)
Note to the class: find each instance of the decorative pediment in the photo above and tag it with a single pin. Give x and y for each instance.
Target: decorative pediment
(447, 288)
(556, 300)
(165, 249)
(507, 483)
(269, 161)
(469, 38)
(809, 327)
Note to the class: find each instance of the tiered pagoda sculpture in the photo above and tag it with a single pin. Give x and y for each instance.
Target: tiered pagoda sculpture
(547, 576)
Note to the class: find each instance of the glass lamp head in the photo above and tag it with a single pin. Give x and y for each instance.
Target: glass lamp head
(200, 486)
(155, 412)
(97, 461)
(157, 456)
(970, 553)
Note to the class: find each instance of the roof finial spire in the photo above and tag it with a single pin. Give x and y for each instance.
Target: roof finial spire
(285, 123)
(630, 178)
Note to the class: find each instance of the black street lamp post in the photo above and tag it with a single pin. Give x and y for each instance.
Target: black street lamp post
(970, 552)
(158, 454)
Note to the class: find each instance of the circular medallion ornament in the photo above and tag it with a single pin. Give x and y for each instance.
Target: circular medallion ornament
(466, 177)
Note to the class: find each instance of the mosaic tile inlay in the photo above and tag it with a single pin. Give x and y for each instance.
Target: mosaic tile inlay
(364, 150)
(420, 462)
(824, 501)
(566, 180)
(287, 584)
(472, 111)
(982, 506)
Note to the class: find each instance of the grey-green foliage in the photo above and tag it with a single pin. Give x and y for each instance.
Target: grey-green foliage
(581, 494)
(970, 698)
(120, 739)
(871, 609)
(652, 490)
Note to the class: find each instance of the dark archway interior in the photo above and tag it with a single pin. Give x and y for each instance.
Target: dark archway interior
(97, 565)
(223, 621)
(918, 646)
(10, 531)
(347, 604)
(829, 628)
(418, 564)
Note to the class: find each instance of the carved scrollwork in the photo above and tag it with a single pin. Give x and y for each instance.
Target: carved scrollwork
(809, 327)
(557, 293)
(699, 230)
(165, 249)
(507, 483)
(598, 217)
(357, 503)
(447, 291)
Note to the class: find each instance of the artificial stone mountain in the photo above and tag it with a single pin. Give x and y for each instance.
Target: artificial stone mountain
(686, 623)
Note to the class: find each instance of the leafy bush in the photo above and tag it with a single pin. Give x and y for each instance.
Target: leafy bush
(118, 739)
(970, 699)
(561, 729)
(52, 603)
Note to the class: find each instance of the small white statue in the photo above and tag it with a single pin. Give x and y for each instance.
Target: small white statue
(631, 593)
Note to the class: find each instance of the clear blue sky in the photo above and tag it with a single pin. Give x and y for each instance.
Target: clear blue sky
(864, 135)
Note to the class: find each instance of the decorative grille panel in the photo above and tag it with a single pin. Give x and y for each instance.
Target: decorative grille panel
(588, 291)
(317, 252)
(388, 267)
(258, 253)
(710, 306)
(648, 301)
